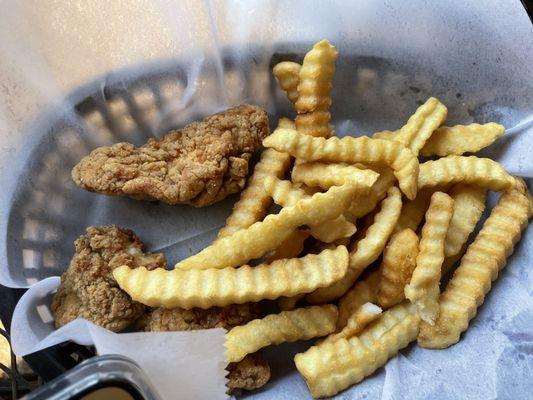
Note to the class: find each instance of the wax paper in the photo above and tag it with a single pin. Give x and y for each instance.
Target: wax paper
(171, 360)
(77, 75)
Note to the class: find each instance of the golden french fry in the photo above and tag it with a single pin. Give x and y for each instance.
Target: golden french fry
(342, 242)
(331, 367)
(315, 123)
(286, 194)
(368, 249)
(289, 303)
(420, 126)
(314, 90)
(286, 123)
(365, 203)
(328, 175)
(206, 288)
(362, 292)
(287, 326)
(333, 230)
(288, 75)
(469, 204)
(253, 202)
(399, 261)
(255, 241)
(350, 150)
(283, 192)
(427, 118)
(423, 289)
(308, 189)
(450, 262)
(482, 172)
(484, 258)
(290, 247)
(413, 211)
(386, 135)
(530, 198)
(460, 139)
(365, 314)
(316, 75)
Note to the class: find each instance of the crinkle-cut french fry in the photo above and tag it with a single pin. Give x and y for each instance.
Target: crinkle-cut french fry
(315, 80)
(469, 204)
(423, 289)
(386, 135)
(290, 247)
(460, 139)
(521, 185)
(206, 288)
(286, 194)
(286, 123)
(283, 192)
(333, 230)
(331, 367)
(413, 211)
(308, 189)
(256, 240)
(342, 242)
(364, 204)
(288, 75)
(365, 314)
(482, 172)
(315, 123)
(483, 260)
(287, 326)
(427, 118)
(351, 150)
(399, 261)
(314, 90)
(289, 303)
(449, 262)
(368, 249)
(364, 291)
(253, 202)
(327, 175)
(420, 127)
(530, 198)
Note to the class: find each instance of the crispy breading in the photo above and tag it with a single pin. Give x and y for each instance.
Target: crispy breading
(251, 372)
(199, 164)
(178, 319)
(88, 289)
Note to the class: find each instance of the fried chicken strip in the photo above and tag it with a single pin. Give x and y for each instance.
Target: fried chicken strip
(88, 289)
(250, 373)
(178, 319)
(199, 164)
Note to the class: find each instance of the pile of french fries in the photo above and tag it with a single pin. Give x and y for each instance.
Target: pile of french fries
(418, 216)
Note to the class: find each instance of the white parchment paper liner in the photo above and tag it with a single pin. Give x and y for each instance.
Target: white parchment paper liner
(185, 365)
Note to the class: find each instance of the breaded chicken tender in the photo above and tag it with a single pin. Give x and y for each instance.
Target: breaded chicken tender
(177, 319)
(199, 164)
(88, 289)
(250, 373)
